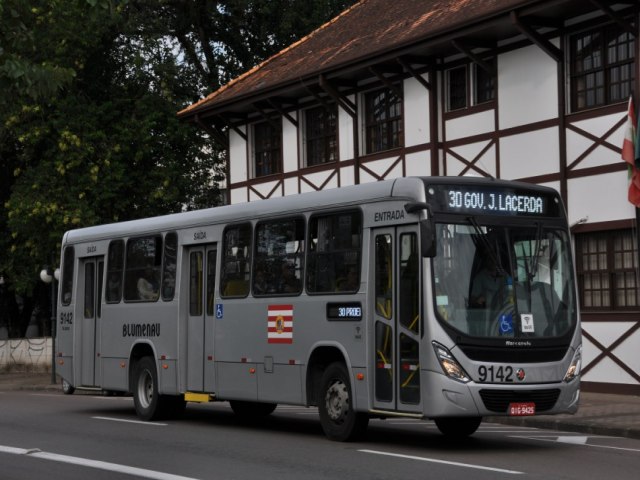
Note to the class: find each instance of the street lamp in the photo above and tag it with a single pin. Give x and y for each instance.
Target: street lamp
(48, 276)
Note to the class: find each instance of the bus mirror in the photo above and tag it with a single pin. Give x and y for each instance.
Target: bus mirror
(427, 238)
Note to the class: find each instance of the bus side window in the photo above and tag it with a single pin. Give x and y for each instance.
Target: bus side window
(115, 268)
(143, 268)
(279, 257)
(236, 261)
(335, 249)
(169, 266)
(67, 275)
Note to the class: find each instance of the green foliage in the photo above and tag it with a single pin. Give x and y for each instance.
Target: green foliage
(89, 91)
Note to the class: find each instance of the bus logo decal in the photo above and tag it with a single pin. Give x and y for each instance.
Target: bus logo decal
(280, 324)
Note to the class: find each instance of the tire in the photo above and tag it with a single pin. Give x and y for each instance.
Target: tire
(145, 389)
(458, 427)
(252, 410)
(337, 417)
(67, 388)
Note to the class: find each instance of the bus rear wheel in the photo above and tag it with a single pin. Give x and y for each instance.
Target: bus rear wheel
(457, 427)
(149, 404)
(145, 389)
(339, 420)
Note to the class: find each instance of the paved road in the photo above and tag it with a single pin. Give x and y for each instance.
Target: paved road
(49, 435)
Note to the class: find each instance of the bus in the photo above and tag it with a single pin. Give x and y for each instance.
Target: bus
(445, 298)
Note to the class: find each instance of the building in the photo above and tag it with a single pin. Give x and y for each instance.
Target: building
(534, 90)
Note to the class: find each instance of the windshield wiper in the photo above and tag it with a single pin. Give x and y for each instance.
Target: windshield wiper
(534, 259)
(487, 246)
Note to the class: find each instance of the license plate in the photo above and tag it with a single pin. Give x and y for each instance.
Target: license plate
(522, 409)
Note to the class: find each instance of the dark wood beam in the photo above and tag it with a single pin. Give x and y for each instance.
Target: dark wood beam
(475, 58)
(233, 127)
(537, 39)
(216, 133)
(623, 23)
(346, 104)
(407, 66)
(388, 83)
(283, 112)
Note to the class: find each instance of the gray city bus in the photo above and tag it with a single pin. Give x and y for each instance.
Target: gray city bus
(447, 298)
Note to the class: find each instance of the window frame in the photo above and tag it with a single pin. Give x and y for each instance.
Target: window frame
(269, 135)
(609, 272)
(378, 130)
(578, 97)
(473, 78)
(327, 139)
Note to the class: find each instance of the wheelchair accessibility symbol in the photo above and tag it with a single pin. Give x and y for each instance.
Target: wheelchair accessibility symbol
(219, 311)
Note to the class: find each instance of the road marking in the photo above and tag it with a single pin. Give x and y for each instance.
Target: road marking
(139, 422)
(578, 440)
(444, 462)
(85, 462)
(556, 439)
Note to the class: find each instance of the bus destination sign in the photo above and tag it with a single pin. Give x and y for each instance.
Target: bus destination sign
(469, 199)
(344, 311)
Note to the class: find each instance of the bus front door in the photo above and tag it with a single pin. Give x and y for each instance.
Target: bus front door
(202, 275)
(91, 274)
(397, 322)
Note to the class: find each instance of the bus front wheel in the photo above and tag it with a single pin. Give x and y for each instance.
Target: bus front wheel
(457, 427)
(339, 420)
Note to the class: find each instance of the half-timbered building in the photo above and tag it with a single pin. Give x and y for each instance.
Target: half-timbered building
(533, 90)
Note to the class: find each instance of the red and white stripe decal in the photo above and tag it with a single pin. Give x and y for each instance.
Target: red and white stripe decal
(280, 324)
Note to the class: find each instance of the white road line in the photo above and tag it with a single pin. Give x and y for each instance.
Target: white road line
(444, 462)
(139, 422)
(85, 462)
(555, 439)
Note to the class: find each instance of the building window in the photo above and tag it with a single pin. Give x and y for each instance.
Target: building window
(383, 120)
(320, 135)
(607, 263)
(470, 85)
(457, 88)
(601, 68)
(267, 147)
(484, 84)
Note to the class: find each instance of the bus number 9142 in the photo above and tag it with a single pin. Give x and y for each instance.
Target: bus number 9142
(493, 374)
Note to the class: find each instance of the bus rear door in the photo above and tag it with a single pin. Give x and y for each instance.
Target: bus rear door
(200, 325)
(396, 316)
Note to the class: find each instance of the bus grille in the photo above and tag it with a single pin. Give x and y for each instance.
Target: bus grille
(498, 400)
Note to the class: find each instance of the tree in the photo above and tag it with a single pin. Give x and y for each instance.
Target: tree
(89, 91)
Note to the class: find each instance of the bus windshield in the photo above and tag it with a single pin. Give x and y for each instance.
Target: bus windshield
(498, 281)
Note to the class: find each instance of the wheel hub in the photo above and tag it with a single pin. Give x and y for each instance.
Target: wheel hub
(337, 401)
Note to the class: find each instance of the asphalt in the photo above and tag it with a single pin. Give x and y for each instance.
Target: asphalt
(599, 413)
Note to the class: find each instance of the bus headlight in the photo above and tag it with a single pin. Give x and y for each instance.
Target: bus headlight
(574, 368)
(449, 364)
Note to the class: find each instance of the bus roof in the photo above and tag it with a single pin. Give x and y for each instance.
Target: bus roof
(412, 188)
(405, 187)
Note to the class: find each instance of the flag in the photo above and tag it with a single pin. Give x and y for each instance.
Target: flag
(280, 324)
(630, 150)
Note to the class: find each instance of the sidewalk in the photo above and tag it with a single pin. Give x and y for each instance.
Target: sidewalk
(599, 413)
